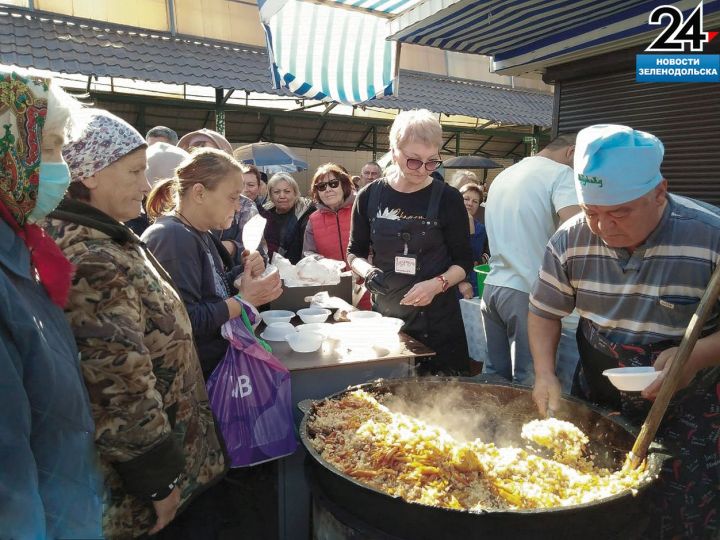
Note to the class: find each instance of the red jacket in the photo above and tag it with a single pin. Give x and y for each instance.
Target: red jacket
(328, 232)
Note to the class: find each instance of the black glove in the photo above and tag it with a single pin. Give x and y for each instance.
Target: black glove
(375, 282)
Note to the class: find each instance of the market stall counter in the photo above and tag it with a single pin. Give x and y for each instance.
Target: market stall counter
(318, 374)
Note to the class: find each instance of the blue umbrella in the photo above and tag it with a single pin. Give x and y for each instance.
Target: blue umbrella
(270, 158)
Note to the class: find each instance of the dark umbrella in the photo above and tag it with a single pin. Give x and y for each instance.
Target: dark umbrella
(471, 162)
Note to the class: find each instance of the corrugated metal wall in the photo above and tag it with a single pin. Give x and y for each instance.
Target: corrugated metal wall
(686, 117)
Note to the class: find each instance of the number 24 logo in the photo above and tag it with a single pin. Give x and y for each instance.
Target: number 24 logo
(678, 32)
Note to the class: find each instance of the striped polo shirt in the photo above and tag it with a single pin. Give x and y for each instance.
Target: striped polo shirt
(643, 297)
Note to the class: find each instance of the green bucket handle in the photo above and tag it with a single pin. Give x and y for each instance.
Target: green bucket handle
(481, 272)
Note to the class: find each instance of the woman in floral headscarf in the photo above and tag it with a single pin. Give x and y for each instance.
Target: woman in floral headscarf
(50, 485)
(154, 430)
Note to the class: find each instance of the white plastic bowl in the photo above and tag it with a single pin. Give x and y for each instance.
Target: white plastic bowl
(304, 342)
(313, 315)
(355, 335)
(394, 323)
(383, 325)
(277, 331)
(363, 316)
(277, 315)
(320, 328)
(632, 379)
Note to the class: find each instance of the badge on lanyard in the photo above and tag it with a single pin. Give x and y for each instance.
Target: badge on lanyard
(405, 264)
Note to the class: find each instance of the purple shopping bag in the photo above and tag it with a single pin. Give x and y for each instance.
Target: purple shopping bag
(249, 395)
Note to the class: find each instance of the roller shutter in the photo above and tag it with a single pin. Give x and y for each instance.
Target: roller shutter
(686, 117)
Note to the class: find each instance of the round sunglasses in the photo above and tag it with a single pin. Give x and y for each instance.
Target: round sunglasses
(414, 164)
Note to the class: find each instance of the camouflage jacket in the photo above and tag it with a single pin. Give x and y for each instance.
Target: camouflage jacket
(148, 399)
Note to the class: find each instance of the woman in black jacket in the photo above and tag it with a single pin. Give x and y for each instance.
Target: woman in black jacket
(416, 229)
(287, 214)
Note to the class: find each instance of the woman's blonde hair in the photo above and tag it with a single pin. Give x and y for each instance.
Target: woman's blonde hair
(462, 177)
(418, 125)
(206, 166)
(283, 177)
(472, 187)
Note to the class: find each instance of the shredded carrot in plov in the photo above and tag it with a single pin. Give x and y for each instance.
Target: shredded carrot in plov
(406, 457)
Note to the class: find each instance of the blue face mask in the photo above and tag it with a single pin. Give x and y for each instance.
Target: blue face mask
(54, 181)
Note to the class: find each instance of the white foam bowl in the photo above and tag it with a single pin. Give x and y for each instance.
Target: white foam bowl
(382, 325)
(277, 315)
(632, 379)
(392, 323)
(363, 316)
(277, 331)
(305, 342)
(320, 328)
(354, 335)
(313, 315)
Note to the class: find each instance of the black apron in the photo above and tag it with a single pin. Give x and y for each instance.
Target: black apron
(686, 502)
(438, 325)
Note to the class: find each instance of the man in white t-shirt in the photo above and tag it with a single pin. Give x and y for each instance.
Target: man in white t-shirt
(525, 205)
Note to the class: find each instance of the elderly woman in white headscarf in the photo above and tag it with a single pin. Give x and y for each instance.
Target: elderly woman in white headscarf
(162, 159)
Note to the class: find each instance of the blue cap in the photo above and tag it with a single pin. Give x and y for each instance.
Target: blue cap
(616, 164)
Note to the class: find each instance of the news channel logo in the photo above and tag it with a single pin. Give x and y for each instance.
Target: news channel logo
(678, 54)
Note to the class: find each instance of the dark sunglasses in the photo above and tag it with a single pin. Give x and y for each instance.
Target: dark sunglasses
(322, 186)
(415, 164)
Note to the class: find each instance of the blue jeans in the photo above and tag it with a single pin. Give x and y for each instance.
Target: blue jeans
(504, 315)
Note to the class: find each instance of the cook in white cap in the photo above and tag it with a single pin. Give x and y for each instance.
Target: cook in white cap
(635, 264)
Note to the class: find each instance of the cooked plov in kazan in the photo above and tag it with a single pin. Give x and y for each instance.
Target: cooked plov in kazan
(406, 457)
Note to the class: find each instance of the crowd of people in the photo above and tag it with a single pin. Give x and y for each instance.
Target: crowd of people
(121, 258)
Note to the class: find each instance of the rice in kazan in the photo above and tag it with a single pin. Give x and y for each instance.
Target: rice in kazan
(406, 457)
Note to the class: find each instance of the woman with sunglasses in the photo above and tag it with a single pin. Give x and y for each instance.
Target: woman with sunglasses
(416, 230)
(328, 229)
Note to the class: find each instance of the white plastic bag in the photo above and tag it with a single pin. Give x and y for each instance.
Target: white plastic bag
(316, 270)
(312, 270)
(324, 300)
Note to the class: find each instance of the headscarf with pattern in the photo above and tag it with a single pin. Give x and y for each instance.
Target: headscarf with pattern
(105, 138)
(23, 108)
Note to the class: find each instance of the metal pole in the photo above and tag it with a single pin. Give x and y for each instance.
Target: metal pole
(374, 139)
(457, 144)
(219, 112)
(140, 122)
(171, 16)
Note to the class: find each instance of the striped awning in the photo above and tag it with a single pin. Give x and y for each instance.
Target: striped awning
(380, 7)
(334, 51)
(522, 35)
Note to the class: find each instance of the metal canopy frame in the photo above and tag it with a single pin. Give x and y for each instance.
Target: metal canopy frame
(319, 131)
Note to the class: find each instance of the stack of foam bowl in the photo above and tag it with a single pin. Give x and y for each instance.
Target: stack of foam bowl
(322, 328)
(305, 342)
(370, 329)
(277, 331)
(313, 315)
(277, 315)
